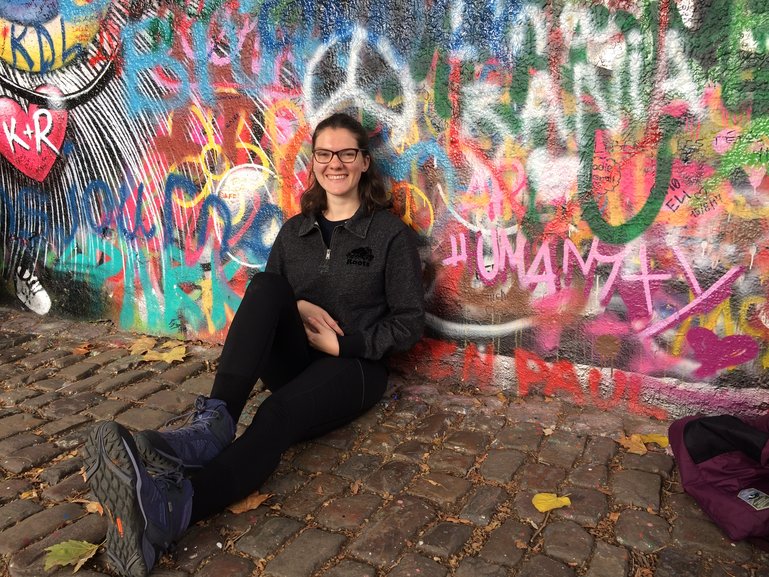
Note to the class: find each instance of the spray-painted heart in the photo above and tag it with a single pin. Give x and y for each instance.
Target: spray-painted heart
(715, 354)
(31, 139)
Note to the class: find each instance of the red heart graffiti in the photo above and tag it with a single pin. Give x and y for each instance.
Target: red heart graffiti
(31, 139)
(715, 354)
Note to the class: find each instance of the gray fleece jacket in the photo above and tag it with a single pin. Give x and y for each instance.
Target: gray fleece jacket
(368, 279)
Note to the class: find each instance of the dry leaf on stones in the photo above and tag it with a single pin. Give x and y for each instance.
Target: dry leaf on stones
(545, 502)
(249, 503)
(175, 354)
(660, 440)
(142, 345)
(69, 553)
(633, 444)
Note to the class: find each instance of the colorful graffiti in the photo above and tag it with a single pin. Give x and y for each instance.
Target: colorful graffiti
(588, 178)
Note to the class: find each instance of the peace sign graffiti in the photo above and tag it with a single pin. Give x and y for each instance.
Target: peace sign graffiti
(349, 92)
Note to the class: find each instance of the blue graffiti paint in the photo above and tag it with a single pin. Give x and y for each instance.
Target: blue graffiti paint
(73, 10)
(139, 64)
(139, 229)
(29, 12)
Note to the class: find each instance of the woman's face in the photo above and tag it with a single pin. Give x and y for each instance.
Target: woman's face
(337, 178)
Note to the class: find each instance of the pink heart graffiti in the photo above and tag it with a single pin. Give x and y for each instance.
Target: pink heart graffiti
(31, 139)
(714, 353)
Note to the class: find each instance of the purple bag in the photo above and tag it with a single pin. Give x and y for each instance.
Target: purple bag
(724, 465)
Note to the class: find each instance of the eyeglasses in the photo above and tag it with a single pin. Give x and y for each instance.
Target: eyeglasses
(346, 155)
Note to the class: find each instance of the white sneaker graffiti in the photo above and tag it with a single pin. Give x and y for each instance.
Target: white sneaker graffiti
(31, 292)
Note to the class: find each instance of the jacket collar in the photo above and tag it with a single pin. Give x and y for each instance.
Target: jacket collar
(358, 224)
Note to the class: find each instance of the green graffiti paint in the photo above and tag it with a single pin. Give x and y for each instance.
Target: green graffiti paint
(633, 228)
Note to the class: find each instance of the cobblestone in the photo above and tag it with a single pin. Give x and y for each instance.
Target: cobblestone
(642, 531)
(30, 457)
(561, 449)
(305, 554)
(501, 464)
(506, 544)
(542, 566)
(608, 561)
(224, 564)
(567, 542)
(417, 566)
(391, 477)
(444, 490)
(657, 463)
(482, 504)
(37, 526)
(637, 488)
(348, 512)
(318, 490)
(448, 461)
(349, 568)
(588, 506)
(431, 482)
(382, 541)
(264, 538)
(445, 539)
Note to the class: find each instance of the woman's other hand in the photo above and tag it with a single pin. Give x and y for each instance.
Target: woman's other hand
(308, 310)
(321, 336)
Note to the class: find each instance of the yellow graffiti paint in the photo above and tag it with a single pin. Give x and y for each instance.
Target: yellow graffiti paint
(47, 46)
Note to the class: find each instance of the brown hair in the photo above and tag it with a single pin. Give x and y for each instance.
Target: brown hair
(371, 187)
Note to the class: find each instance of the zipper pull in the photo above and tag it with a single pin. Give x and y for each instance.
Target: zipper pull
(324, 266)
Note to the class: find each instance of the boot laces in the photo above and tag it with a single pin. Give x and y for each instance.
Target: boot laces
(199, 415)
(165, 478)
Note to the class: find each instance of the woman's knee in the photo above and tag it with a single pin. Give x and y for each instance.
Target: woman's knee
(270, 285)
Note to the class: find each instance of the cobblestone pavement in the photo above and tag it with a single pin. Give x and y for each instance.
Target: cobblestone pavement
(431, 482)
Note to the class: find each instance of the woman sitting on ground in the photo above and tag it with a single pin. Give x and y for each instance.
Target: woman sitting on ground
(342, 290)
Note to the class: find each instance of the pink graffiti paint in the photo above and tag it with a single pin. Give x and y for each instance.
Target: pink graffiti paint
(607, 324)
(646, 278)
(31, 139)
(725, 139)
(715, 354)
(702, 304)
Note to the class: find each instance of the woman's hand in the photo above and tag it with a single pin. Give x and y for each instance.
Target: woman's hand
(321, 336)
(308, 310)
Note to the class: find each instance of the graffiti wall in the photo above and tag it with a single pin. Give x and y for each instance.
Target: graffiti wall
(588, 177)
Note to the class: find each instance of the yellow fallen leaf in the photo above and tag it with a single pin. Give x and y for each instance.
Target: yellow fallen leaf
(545, 502)
(171, 344)
(633, 444)
(28, 495)
(249, 503)
(660, 440)
(94, 507)
(142, 345)
(175, 354)
(69, 553)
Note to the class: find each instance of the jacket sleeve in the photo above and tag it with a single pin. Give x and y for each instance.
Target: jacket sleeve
(403, 325)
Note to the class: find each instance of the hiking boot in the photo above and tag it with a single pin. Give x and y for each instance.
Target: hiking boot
(193, 445)
(146, 513)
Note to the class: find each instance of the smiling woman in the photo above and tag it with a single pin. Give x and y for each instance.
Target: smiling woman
(35, 36)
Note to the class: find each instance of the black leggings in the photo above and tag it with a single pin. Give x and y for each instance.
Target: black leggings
(312, 393)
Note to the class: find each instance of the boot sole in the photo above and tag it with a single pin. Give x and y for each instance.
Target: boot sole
(113, 474)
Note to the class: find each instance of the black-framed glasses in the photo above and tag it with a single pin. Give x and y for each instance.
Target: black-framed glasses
(346, 155)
